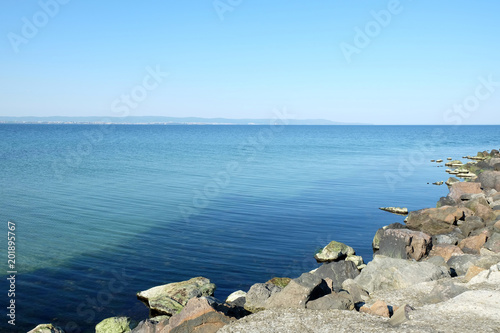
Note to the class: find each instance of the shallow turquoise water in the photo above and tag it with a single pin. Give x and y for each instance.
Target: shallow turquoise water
(237, 204)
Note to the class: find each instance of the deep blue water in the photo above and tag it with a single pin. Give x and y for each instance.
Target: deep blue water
(103, 212)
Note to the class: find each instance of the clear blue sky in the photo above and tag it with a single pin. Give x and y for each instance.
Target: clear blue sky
(262, 55)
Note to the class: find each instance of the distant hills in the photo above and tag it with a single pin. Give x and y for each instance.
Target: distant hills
(162, 121)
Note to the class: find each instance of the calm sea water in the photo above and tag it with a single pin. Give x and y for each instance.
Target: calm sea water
(104, 212)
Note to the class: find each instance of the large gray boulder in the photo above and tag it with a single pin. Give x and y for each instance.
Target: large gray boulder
(490, 179)
(299, 291)
(404, 244)
(493, 243)
(389, 273)
(334, 301)
(171, 298)
(258, 294)
(338, 272)
(380, 232)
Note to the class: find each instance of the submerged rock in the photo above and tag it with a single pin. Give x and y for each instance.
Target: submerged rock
(171, 298)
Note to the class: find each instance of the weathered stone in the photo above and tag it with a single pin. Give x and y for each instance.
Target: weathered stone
(378, 234)
(357, 260)
(490, 179)
(470, 224)
(200, 315)
(451, 238)
(152, 325)
(496, 226)
(115, 325)
(445, 251)
(338, 272)
(435, 221)
(169, 299)
(280, 282)
(446, 201)
(388, 273)
(484, 211)
(237, 298)
(472, 244)
(460, 264)
(46, 328)
(379, 308)
(457, 189)
(493, 243)
(258, 294)
(404, 244)
(401, 315)
(334, 301)
(443, 292)
(334, 251)
(488, 276)
(298, 292)
(357, 293)
(473, 271)
(395, 210)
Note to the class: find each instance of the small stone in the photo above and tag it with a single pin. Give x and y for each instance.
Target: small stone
(473, 271)
(379, 308)
(334, 251)
(401, 315)
(496, 226)
(234, 297)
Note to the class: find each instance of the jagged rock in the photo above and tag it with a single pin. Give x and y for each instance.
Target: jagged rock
(445, 201)
(237, 298)
(153, 325)
(435, 221)
(480, 209)
(334, 251)
(338, 272)
(472, 244)
(490, 179)
(458, 189)
(378, 234)
(333, 301)
(443, 292)
(451, 238)
(460, 264)
(46, 328)
(395, 210)
(115, 325)
(470, 224)
(258, 294)
(379, 308)
(493, 243)
(201, 315)
(404, 244)
(496, 226)
(357, 260)
(298, 292)
(357, 293)
(473, 271)
(445, 251)
(388, 273)
(280, 282)
(169, 299)
(489, 276)
(401, 315)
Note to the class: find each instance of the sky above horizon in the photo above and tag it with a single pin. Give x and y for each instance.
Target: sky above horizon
(378, 62)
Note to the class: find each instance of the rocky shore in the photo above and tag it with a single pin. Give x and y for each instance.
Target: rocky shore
(437, 272)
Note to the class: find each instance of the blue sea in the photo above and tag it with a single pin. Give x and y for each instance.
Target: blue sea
(102, 212)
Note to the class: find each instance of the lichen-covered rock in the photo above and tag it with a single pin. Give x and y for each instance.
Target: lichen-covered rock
(171, 298)
(115, 325)
(280, 282)
(46, 328)
(334, 251)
